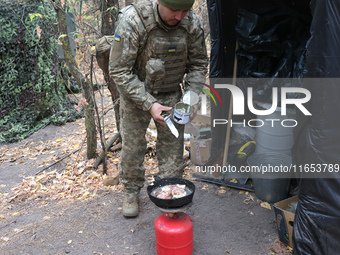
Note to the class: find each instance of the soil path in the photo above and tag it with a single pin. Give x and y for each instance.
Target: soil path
(226, 221)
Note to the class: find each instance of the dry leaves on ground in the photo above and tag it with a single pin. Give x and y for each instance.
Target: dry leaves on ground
(53, 185)
(78, 179)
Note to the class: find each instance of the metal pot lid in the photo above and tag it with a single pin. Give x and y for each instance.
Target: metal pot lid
(191, 98)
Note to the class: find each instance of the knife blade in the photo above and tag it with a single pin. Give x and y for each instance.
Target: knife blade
(169, 123)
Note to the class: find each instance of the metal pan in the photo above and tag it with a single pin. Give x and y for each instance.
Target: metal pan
(171, 203)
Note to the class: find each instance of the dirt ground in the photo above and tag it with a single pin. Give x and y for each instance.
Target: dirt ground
(226, 221)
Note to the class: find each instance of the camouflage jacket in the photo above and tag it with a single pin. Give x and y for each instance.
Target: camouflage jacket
(130, 54)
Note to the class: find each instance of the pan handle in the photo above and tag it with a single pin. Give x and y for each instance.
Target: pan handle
(157, 178)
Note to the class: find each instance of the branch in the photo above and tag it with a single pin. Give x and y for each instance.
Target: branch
(42, 170)
(113, 139)
(94, 29)
(54, 5)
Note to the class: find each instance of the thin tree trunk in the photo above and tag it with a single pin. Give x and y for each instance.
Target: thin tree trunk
(108, 27)
(91, 133)
(127, 2)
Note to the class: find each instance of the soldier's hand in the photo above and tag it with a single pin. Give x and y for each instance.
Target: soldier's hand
(156, 110)
(194, 112)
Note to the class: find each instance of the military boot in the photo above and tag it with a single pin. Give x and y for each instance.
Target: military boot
(130, 205)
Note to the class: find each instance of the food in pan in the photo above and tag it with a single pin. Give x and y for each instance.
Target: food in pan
(171, 191)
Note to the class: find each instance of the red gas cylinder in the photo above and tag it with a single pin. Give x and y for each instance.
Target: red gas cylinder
(174, 234)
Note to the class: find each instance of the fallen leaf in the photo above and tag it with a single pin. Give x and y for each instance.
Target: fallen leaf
(116, 160)
(22, 161)
(58, 140)
(2, 185)
(266, 205)
(242, 192)
(234, 181)
(248, 199)
(16, 213)
(221, 191)
(251, 213)
(205, 187)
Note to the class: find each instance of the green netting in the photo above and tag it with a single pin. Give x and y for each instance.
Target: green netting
(32, 90)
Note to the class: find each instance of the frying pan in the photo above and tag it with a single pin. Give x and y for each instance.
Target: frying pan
(171, 203)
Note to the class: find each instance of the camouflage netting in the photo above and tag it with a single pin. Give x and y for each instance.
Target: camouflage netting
(32, 89)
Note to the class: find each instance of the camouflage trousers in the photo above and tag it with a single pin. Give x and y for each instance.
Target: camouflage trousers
(169, 149)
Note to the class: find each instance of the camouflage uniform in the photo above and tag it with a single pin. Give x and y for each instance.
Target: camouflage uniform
(148, 61)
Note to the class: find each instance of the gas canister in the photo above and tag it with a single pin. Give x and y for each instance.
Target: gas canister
(174, 234)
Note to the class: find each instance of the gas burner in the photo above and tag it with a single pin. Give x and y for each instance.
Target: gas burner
(175, 210)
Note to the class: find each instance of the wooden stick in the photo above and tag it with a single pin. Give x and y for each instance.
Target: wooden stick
(59, 160)
(227, 139)
(100, 158)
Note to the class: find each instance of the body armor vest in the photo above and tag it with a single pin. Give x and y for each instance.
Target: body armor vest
(162, 59)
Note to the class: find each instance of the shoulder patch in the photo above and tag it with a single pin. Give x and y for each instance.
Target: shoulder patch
(117, 38)
(172, 49)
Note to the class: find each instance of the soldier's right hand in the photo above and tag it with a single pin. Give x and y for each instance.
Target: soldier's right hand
(156, 111)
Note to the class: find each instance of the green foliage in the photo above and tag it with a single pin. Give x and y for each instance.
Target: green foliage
(32, 88)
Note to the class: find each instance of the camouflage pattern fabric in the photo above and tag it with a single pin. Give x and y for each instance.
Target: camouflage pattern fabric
(134, 123)
(103, 52)
(139, 37)
(130, 52)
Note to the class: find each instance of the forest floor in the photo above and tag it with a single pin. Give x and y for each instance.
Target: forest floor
(53, 202)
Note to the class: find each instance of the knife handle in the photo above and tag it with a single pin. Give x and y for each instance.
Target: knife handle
(165, 114)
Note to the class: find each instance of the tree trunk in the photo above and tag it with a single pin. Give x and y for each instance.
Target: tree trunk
(127, 2)
(108, 28)
(91, 133)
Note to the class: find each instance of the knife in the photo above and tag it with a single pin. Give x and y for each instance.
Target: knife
(173, 129)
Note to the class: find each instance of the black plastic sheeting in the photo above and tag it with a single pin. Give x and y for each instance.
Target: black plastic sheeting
(317, 137)
(221, 66)
(317, 140)
(271, 30)
(272, 45)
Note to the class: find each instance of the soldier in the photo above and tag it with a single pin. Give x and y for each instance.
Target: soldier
(156, 44)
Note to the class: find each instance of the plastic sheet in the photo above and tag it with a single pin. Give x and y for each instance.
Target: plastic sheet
(270, 45)
(317, 138)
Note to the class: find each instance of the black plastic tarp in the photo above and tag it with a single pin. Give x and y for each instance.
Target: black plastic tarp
(286, 49)
(222, 56)
(271, 45)
(317, 140)
(317, 137)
